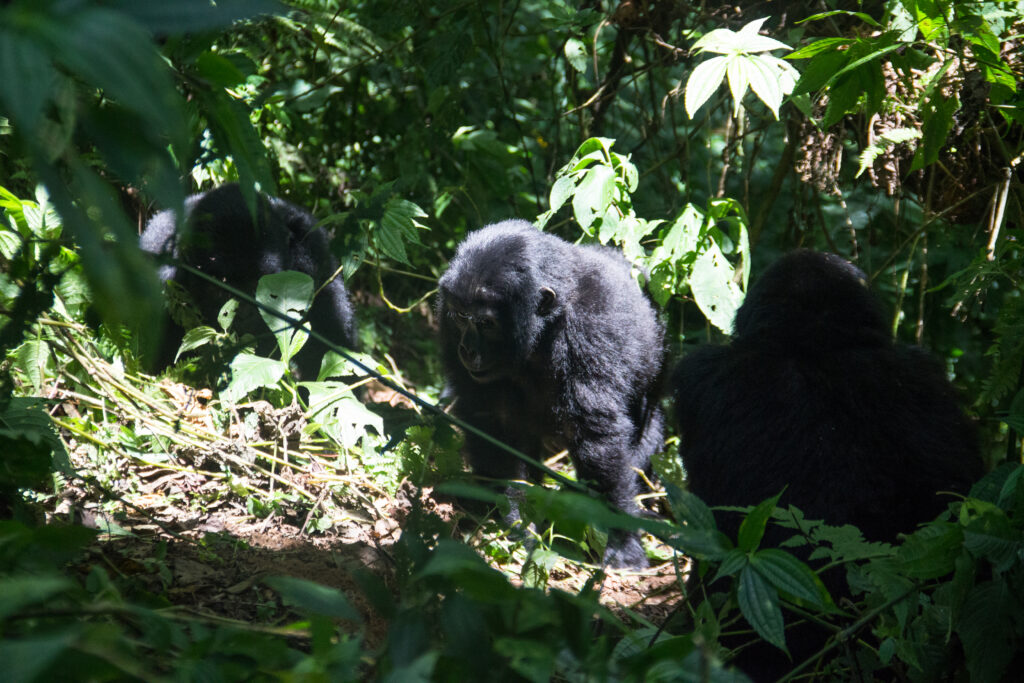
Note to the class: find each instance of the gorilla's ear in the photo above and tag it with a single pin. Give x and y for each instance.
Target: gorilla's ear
(547, 301)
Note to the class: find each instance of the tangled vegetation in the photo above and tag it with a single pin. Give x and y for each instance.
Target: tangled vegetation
(225, 521)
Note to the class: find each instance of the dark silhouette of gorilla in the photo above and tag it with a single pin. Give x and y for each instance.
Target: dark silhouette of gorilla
(813, 395)
(219, 238)
(547, 344)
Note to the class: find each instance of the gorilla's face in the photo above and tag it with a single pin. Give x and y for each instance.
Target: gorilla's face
(481, 338)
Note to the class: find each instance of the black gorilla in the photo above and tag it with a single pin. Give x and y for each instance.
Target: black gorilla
(549, 344)
(219, 238)
(813, 395)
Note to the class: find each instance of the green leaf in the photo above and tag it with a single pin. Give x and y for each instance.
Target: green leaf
(883, 142)
(866, 18)
(937, 116)
(820, 71)
(26, 418)
(593, 195)
(931, 551)
(732, 563)
(398, 225)
(250, 372)
(561, 190)
(576, 53)
(194, 338)
(746, 40)
(703, 82)
(32, 358)
(819, 46)
(738, 72)
(767, 83)
(991, 535)
(218, 70)
(753, 525)
(759, 603)
(313, 598)
(289, 293)
(686, 507)
(19, 592)
(985, 628)
(27, 658)
(29, 80)
(790, 575)
(709, 544)
(340, 414)
(227, 313)
(714, 288)
(400, 217)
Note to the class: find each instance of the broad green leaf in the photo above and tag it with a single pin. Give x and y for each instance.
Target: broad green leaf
(227, 312)
(753, 525)
(937, 115)
(194, 338)
(790, 575)
(313, 598)
(576, 54)
(767, 83)
(219, 70)
(732, 563)
(738, 72)
(714, 288)
(749, 40)
(561, 190)
(686, 507)
(709, 544)
(593, 195)
(289, 293)
(746, 40)
(27, 658)
(986, 629)
(334, 365)
(28, 418)
(930, 552)
(21, 591)
(703, 82)
(250, 372)
(29, 79)
(759, 603)
(820, 71)
(340, 414)
(991, 535)
(819, 46)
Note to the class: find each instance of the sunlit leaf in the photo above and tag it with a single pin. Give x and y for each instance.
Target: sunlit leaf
(703, 82)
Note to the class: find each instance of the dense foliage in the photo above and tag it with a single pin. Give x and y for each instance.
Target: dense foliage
(702, 139)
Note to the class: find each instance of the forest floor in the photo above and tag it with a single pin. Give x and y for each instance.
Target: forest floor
(180, 530)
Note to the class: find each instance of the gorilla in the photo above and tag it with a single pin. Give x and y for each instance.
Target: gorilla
(813, 395)
(551, 345)
(220, 239)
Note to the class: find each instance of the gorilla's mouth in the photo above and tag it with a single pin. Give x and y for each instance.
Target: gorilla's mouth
(485, 375)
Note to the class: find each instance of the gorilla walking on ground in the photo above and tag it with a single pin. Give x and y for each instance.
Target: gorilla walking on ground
(219, 238)
(813, 395)
(546, 343)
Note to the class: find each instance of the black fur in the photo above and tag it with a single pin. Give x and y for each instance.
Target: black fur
(220, 239)
(547, 343)
(813, 394)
